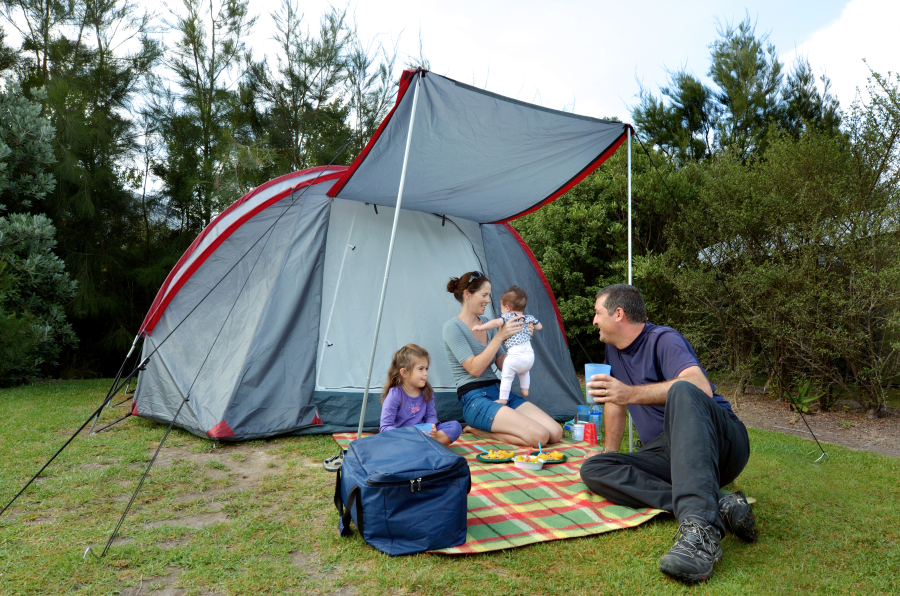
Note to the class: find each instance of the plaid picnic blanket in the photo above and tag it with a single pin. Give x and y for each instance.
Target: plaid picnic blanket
(510, 507)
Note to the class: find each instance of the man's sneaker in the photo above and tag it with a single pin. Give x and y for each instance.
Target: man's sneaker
(737, 516)
(333, 464)
(695, 552)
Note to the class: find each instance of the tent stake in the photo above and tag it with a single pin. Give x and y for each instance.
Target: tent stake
(387, 267)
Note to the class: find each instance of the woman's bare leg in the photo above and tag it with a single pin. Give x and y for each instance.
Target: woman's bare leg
(535, 413)
(524, 429)
(504, 438)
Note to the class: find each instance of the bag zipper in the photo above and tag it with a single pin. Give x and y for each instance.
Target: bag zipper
(412, 481)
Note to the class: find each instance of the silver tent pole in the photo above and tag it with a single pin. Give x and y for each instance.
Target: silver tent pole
(628, 131)
(387, 267)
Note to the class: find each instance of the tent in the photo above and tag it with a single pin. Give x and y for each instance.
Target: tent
(272, 321)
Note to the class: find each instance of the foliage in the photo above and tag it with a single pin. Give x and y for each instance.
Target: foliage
(26, 152)
(580, 241)
(33, 283)
(691, 121)
(790, 260)
(33, 287)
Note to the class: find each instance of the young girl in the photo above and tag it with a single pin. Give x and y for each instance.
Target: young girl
(408, 400)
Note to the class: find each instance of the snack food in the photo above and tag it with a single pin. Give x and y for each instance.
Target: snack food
(530, 458)
(498, 454)
(554, 456)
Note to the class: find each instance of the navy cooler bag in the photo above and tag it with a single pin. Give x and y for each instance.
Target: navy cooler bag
(405, 492)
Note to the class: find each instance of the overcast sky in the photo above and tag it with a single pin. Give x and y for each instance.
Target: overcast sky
(595, 53)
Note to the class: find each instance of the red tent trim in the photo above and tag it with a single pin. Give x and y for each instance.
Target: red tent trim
(405, 78)
(575, 179)
(220, 431)
(168, 290)
(540, 272)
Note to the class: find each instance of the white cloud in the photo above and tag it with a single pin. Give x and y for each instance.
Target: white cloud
(866, 30)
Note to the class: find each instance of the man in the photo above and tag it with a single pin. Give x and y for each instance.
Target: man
(693, 442)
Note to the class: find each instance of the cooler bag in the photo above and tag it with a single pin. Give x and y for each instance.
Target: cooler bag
(405, 492)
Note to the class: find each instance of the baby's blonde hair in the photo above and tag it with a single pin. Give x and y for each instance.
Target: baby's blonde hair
(406, 357)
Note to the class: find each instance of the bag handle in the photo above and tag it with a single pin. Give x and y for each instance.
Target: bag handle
(344, 512)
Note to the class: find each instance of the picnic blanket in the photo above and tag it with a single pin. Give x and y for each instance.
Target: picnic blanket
(510, 507)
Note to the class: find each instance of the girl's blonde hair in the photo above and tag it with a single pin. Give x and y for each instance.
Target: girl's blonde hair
(406, 357)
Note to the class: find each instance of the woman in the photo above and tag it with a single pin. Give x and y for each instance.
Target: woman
(471, 354)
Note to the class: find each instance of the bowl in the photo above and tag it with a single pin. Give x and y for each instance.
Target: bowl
(529, 465)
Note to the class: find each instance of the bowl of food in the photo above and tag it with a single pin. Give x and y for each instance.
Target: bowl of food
(529, 462)
(551, 457)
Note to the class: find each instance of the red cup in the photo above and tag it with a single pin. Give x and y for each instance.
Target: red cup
(590, 433)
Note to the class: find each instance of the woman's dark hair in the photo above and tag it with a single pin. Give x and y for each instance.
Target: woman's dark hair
(471, 281)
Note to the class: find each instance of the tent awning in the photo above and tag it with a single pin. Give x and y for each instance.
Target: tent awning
(475, 154)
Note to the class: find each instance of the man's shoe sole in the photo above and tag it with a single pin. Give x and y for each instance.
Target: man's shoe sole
(745, 526)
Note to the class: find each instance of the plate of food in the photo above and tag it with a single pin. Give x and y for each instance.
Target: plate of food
(495, 456)
(551, 457)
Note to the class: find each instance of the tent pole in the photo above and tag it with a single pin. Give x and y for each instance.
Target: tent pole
(387, 267)
(628, 132)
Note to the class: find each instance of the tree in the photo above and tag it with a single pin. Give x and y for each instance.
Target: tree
(682, 127)
(34, 286)
(305, 109)
(790, 260)
(196, 122)
(746, 70)
(750, 97)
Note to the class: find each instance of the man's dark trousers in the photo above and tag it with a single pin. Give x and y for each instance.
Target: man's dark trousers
(702, 448)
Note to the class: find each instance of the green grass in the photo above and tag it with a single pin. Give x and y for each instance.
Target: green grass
(825, 528)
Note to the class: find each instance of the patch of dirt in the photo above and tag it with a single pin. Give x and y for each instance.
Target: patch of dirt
(311, 564)
(159, 586)
(194, 522)
(246, 464)
(845, 424)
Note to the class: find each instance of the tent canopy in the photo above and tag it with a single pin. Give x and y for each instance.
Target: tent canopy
(475, 154)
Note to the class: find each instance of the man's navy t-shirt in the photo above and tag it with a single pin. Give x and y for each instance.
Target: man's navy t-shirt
(658, 354)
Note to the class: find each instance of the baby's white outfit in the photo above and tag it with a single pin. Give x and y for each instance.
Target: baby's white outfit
(519, 356)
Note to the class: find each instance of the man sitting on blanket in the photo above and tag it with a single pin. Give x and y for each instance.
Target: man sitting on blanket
(693, 443)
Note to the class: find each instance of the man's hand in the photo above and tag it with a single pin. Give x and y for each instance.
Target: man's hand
(606, 390)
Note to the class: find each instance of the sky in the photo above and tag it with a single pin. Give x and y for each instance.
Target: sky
(591, 57)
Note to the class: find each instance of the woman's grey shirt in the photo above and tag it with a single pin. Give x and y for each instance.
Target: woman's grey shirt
(461, 345)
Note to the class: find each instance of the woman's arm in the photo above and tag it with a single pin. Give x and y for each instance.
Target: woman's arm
(476, 365)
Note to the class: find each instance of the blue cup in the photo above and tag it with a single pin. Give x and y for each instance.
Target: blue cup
(591, 370)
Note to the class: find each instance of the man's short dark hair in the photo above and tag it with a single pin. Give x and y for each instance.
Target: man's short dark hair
(626, 297)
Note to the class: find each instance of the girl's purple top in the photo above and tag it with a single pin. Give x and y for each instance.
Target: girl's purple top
(399, 409)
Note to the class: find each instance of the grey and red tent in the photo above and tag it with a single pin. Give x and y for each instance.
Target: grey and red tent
(283, 314)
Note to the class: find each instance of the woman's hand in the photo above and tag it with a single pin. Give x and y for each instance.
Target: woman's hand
(510, 328)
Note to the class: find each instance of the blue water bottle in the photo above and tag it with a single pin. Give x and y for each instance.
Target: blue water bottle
(596, 416)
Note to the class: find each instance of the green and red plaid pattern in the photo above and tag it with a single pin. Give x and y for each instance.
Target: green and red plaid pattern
(510, 507)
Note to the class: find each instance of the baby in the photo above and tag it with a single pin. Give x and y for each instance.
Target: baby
(519, 355)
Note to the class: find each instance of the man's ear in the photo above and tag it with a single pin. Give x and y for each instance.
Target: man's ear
(619, 315)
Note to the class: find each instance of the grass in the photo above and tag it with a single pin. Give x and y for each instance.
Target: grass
(827, 528)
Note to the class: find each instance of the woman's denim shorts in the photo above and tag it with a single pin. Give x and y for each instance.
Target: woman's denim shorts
(479, 405)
